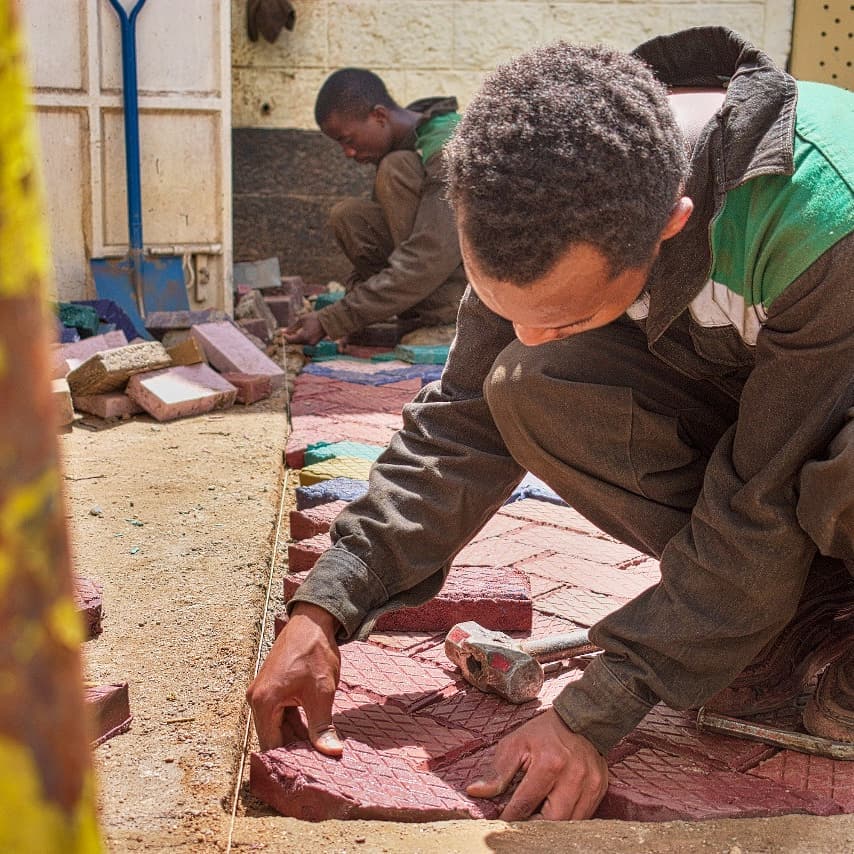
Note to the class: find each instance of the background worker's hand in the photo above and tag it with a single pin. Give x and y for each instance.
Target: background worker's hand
(307, 330)
(301, 669)
(565, 777)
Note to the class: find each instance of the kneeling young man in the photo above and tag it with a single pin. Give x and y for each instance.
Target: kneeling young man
(660, 325)
(403, 242)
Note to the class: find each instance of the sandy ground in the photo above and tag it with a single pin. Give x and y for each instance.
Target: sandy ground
(180, 524)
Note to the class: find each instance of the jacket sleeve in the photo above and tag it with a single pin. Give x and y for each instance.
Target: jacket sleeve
(416, 268)
(733, 577)
(441, 478)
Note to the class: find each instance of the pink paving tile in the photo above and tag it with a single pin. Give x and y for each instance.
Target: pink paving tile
(66, 357)
(544, 624)
(556, 515)
(314, 520)
(228, 349)
(334, 397)
(108, 709)
(489, 715)
(409, 641)
(497, 526)
(596, 577)
(333, 430)
(497, 597)
(363, 784)
(539, 586)
(828, 778)
(651, 785)
(598, 550)
(676, 732)
(303, 555)
(181, 392)
(393, 676)
(579, 605)
(87, 601)
(111, 404)
(496, 550)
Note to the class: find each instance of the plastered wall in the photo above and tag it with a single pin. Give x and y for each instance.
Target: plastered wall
(425, 47)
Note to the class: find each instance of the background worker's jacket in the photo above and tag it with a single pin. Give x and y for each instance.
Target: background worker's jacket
(424, 277)
(732, 577)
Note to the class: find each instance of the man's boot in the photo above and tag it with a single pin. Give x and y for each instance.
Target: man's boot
(830, 711)
(821, 631)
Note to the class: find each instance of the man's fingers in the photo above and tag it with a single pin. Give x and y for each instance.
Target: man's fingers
(326, 740)
(529, 794)
(505, 764)
(268, 725)
(318, 713)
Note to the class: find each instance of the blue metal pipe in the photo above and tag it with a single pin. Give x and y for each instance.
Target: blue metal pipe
(131, 108)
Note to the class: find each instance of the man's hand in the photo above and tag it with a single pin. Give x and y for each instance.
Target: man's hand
(565, 776)
(307, 330)
(301, 670)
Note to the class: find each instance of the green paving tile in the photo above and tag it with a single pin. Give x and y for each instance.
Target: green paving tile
(325, 299)
(323, 350)
(318, 452)
(423, 355)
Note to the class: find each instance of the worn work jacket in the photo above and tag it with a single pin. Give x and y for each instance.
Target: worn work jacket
(732, 578)
(424, 277)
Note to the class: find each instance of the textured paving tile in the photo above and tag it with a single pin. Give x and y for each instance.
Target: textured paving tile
(409, 641)
(579, 605)
(355, 468)
(496, 550)
(337, 489)
(828, 778)
(108, 708)
(596, 577)
(228, 349)
(87, 601)
(314, 520)
(593, 549)
(303, 555)
(651, 785)
(676, 732)
(498, 526)
(181, 392)
(334, 397)
(558, 516)
(318, 452)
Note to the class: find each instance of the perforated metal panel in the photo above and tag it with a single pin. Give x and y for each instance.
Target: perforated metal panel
(823, 42)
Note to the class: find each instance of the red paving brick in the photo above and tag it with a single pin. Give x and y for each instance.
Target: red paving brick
(579, 605)
(363, 784)
(314, 520)
(87, 601)
(651, 785)
(594, 549)
(108, 709)
(496, 550)
(596, 577)
(556, 515)
(409, 641)
(829, 778)
(498, 526)
(303, 555)
(303, 434)
(342, 398)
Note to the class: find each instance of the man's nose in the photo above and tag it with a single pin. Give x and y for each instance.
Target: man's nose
(349, 151)
(531, 336)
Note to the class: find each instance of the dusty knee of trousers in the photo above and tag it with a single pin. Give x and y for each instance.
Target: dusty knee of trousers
(343, 213)
(509, 385)
(826, 502)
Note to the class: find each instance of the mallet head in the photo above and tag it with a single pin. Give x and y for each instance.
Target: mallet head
(494, 662)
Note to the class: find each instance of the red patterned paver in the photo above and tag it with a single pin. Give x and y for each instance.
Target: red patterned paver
(829, 778)
(555, 515)
(607, 552)
(108, 708)
(579, 605)
(87, 601)
(314, 520)
(496, 551)
(596, 577)
(303, 555)
(651, 785)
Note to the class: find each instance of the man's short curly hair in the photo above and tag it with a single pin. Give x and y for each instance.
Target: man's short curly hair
(566, 144)
(351, 92)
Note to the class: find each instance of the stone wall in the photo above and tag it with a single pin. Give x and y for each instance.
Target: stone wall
(287, 175)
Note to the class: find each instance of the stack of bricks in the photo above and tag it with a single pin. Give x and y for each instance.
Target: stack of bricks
(415, 734)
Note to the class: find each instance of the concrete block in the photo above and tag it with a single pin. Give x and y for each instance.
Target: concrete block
(303, 555)
(498, 598)
(263, 274)
(227, 349)
(111, 404)
(87, 601)
(596, 577)
(354, 468)
(63, 406)
(827, 778)
(337, 489)
(285, 309)
(652, 785)
(365, 783)
(181, 392)
(66, 357)
(579, 605)
(318, 452)
(158, 323)
(250, 387)
(315, 520)
(435, 355)
(186, 351)
(255, 327)
(110, 370)
(108, 708)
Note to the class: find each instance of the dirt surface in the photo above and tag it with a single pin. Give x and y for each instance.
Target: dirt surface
(180, 525)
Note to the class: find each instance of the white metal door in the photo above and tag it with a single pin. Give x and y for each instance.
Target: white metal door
(184, 70)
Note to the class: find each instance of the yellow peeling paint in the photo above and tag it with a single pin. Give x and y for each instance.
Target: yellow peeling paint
(31, 825)
(23, 243)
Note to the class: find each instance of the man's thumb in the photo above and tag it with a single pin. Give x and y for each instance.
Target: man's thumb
(321, 730)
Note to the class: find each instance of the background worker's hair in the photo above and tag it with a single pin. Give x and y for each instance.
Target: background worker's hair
(566, 144)
(351, 92)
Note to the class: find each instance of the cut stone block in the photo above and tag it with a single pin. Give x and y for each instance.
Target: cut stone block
(336, 398)
(158, 323)
(284, 308)
(228, 349)
(69, 356)
(315, 520)
(112, 404)
(110, 370)
(337, 489)
(185, 352)
(109, 710)
(354, 468)
(181, 392)
(499, 598)
(364, 783)
(651, 785)
(828, 778)
(318, 452)
(262, 274)
(303, 555)
(579, 605)
(87, 600)
(252, 306)
(250, 387)
(63, 407)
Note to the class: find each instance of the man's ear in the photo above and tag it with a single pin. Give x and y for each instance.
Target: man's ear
(380, 114)
(679, 216)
